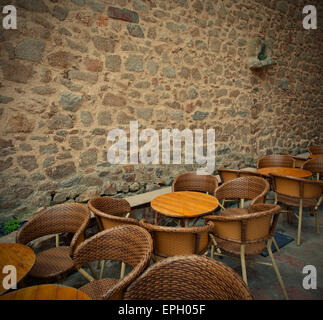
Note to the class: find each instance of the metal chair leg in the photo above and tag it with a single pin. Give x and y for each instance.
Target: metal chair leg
(300, 215)
(243, 263)
(276, 269)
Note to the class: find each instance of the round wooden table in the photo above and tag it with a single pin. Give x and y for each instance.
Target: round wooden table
(17, 255)
(46, 292)
(184, 205)
(292, 172)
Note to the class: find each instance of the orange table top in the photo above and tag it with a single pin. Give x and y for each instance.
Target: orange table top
(292, 172)
(313, 156)
(18, 255)
(184, 204)
(46, 292)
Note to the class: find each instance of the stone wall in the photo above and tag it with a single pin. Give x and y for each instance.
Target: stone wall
(73, 70)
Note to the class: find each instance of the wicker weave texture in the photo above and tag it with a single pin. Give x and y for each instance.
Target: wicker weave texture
(130, 244)
(189, 277)
(251, 188)
(251, 229)
(171, 241)
(290, 190)
(315, 149)
(110, 212)
(190, 181)
(67, 217)
(276, 160)
(314, 165)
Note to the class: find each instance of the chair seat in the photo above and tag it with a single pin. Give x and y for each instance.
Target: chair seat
(233, 212)
(97, 288)
(52, 262)
(291, 201)
(234, 248)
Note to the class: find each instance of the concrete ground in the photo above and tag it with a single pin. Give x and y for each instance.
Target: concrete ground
(261, 279)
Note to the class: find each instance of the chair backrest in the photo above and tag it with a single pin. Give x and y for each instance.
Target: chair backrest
(188, 278)
(249, 188)
(172, 241)
(190, 181)
(276, 160)
(314, 165)
(108, 212)
(297, 187)
(61, 218)
(256, 226)
(130, 244)
(228, 174)
(315, 149)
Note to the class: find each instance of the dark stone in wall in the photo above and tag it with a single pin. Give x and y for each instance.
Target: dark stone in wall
(123, 14)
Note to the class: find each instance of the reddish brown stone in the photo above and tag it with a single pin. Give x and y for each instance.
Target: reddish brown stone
(61, 59)
(15, 71)
(18, 123)
(93, 65)
(115, 101)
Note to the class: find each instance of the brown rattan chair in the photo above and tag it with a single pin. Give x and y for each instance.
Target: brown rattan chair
(127, 243)
(301, 193)
(62, 218)
(110, 212)
(228, 174)
(173, 241)
(315, 149)
(276, 160)
(244, 188)
(190, 181)
(315, 166)
(189, 277)
(245, 234)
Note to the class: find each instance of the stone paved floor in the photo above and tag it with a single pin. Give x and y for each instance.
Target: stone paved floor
(262, 279)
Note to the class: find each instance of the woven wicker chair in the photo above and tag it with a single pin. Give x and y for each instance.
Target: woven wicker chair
(315, 150)
(301, 193)
(189, 277)
(244, 234)
(276, 160)
(110, 212)
(315, 166)
(228, 174)
(127, 243)
(190, 181)
(62, 218)
(244, 188)
(173, 241)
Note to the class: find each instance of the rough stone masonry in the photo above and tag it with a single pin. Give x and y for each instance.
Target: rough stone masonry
(73, 70)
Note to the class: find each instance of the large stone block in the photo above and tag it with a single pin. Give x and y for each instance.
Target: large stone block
(70, 102)
(19, 123)
(29, 163)
(33, 5)
(16, 71)
(114, 101)
(60, 121)
(123, 14)
(61, 171)
(30, 49)
(88, 158)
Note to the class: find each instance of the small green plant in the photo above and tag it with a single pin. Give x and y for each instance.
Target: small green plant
(11, 225)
